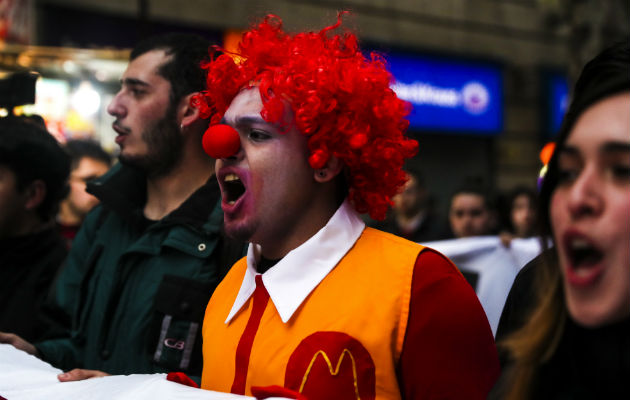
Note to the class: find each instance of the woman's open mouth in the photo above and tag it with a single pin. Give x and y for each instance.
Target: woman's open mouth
(585, 260)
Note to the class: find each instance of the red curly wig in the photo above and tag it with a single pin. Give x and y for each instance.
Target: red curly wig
(342, 102)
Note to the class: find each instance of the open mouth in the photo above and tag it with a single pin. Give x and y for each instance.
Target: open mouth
(233, 188)
(583, 255)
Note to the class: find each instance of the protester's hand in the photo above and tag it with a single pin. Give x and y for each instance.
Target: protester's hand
(80, 374)
(18, 343)
(506, 238)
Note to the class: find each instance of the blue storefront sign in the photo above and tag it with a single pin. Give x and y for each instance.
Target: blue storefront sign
(449, 95)
(558, 101)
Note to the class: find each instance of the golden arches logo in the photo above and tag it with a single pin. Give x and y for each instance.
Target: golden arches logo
(334, 371)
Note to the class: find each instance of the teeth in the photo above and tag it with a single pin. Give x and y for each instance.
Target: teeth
(578, 244)
(582, 272)
(231, 178)
(232, 188)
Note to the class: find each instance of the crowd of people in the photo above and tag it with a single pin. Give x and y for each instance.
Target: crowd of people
(472, 211)
(227, 242)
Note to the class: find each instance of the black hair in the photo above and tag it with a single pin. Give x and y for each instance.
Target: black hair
(474, 185)
(77, 149)
(183, 69)
(31, 153)
(416, 173)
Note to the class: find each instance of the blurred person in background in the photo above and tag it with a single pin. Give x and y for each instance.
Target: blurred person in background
(522, 213)
(567, 319)
(33, 180)
(412, 216)
(518, 214)
(88, 161)
(147, 258)
(471, 211)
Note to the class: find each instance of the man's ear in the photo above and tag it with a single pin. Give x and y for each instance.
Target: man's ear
(35, 194)
(186, 113)
(329, 171)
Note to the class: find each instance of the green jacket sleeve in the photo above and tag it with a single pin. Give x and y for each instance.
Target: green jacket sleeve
(61, 353)
(82, 255)
(62, 350)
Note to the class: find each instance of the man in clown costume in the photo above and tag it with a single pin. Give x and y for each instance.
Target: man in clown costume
(307, 135)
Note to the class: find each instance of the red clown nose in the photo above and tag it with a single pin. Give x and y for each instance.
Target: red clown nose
(221, 141)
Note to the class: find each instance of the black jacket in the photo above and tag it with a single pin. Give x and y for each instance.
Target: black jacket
(589, 363)
(28, 265)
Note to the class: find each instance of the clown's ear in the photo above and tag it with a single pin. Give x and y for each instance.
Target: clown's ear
(186, 112)
(329, 171)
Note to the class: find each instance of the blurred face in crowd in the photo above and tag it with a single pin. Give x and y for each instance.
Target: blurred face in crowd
(79, 202)
(590, 213)
(148, 133)
(523, 215)
(411, 200)
(268, 187)
(12, 204)
(469, 215)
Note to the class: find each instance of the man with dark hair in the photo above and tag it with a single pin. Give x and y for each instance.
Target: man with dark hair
(412, 216)
(471, 212)
(33, 180)
(146, 260)
(88, 161)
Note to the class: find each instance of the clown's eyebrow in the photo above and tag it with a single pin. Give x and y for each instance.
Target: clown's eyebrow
(246, 120)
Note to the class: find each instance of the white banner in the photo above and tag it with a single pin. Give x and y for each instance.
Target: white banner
(24, 377)
(491, 264)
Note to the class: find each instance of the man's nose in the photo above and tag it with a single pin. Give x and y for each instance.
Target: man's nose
(116, 107)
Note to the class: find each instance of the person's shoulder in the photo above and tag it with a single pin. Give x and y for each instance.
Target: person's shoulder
(431, 261)
(436, 275)
(94, 218)
(386, 247)
(389, 239)
(237, 270)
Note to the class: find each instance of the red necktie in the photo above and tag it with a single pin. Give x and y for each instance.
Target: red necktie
(244, 348)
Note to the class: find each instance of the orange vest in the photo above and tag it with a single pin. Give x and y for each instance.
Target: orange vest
(344, 341)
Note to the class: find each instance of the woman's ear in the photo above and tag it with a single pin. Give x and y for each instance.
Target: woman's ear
(329, 171)
(187, 113)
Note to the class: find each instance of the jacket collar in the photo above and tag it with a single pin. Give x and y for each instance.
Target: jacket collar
(123, 190)
(294, 277)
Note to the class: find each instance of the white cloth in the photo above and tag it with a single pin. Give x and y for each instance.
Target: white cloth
(294, 277)
(495, 264)
(24, 377)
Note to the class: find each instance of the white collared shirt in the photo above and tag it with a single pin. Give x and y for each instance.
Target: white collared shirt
(294, 277)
